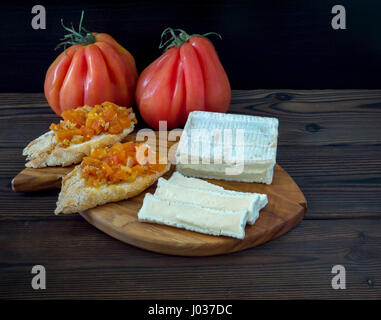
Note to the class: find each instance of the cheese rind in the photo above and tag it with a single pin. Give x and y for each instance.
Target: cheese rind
(213, 143)
(248, 173)
(193, 217)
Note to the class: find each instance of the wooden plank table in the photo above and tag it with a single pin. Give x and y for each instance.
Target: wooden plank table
(329, 142)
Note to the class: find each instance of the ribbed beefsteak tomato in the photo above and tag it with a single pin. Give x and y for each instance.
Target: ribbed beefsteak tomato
(94, 69)
(187, 77)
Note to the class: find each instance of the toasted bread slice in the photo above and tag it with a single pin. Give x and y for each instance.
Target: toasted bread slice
(46, 151)
(76, 196)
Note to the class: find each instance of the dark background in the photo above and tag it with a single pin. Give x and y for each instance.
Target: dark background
(266, 44)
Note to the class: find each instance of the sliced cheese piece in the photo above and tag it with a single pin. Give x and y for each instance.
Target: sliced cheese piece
(215, 199)
(228, 146)
(193, 217)
(182, 180)
(178, 178)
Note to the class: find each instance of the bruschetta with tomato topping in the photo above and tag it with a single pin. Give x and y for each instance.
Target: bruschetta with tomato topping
(109, 175)
(82, 130)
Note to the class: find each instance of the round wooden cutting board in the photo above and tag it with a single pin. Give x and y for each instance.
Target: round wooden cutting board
(286, 208)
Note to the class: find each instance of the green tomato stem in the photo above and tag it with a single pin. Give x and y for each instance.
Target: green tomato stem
(176, 40)
(82, 36)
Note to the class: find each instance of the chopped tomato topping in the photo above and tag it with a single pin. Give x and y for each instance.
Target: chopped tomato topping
(117, 164)
(81, 124)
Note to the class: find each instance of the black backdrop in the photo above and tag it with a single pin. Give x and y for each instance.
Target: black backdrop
(266, 44)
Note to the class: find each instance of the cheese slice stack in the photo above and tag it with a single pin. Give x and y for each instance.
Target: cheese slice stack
(192, 217)
(210, 195)
(228, 147)
(198, 205)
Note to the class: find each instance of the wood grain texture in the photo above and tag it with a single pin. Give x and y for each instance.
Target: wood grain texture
(319, 132)
(317, 117)
(334, 159)
(338, 181)
(313, 117)
(33, 179)
(284, 211)
(84, 263)
(286, 208)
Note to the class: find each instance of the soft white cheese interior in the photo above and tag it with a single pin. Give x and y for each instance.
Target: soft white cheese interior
(214, 199)
(199, 191)
(178, 178)
(193, 217)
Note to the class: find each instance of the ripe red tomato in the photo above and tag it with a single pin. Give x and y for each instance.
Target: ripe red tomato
(94, 69)
(187, 77)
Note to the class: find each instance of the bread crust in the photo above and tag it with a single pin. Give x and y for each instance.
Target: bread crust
(76, 196)
(45, 151)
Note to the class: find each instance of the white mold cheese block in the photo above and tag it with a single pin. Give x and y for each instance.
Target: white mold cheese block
(255, 149)
(215, 199)
(193, 217)
(179, 179)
